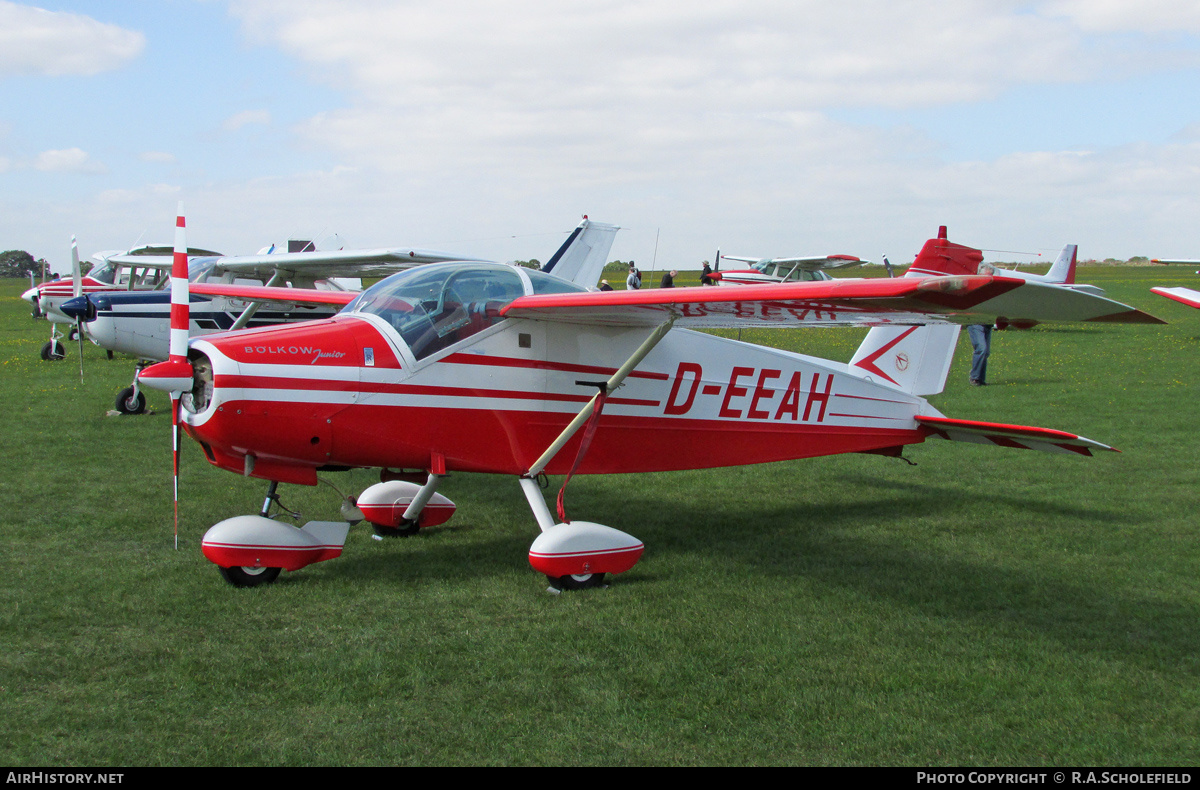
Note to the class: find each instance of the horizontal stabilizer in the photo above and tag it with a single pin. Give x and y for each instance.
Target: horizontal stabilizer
(1023, 437)
(1185, 295)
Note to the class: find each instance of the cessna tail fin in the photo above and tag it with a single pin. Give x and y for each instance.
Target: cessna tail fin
(582, 256)
(914, 359)
(1063, 270)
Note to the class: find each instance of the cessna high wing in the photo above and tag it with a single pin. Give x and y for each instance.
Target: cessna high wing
(139, 323)
(779, 270)
(487, 367)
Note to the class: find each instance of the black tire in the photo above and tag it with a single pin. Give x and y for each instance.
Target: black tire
(53, 351)
(586, 581)
(406, 529)
(126, 403)
(73, 334)
(249, 577)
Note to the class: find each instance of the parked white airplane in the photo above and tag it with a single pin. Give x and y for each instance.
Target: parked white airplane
(139, 269)
(780, 270)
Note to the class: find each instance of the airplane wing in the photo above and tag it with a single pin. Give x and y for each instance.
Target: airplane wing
(1185, 295)
(972, 299)
(335, 263)
(150, 256)
(1175, 260)
(811, 263)
(260, 293)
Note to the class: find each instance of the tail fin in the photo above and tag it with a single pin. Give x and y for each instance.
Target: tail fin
(914, 359)
(1063, 270)
(582, 256)
(941, 256)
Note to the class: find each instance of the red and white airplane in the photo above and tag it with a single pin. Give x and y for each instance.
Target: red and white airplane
(486, 367)
(934, 263)
(1187, 296)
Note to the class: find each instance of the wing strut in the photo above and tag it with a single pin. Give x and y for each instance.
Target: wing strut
(252, 308)
(605, 388)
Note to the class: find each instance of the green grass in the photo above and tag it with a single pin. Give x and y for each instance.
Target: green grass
(985, 607)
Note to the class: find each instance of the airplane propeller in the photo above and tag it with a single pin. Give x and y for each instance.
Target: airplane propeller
(175, 375)
(76, 292)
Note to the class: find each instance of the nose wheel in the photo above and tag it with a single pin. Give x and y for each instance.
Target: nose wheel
(130, 401)
(245, 576)
(577, 581)
(53, 351)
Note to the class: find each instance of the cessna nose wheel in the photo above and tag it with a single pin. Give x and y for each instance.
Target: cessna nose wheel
(53, 351)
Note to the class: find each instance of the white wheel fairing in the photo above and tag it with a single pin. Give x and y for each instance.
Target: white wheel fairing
(582, 549)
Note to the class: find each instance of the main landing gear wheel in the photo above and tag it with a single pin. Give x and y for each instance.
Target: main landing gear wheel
(245, 576)
(405, 529)
(128, 403)
(53, 351)
(577, 581)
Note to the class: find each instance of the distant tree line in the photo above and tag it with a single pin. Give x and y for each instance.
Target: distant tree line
(18, 263)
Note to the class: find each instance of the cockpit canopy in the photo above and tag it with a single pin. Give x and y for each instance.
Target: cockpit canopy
(437, 305)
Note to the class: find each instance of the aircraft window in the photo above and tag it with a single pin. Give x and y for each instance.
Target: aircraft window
(801, 275)
(199, 269)
(104, 273)
(549, 284)
(766, 268)
(433, 307)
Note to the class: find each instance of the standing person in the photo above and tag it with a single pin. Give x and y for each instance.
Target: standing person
(981, 341)
(705, 279)
(668, 280)
(634, 280)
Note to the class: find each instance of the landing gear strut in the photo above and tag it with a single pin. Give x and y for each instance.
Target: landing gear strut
(131, 400)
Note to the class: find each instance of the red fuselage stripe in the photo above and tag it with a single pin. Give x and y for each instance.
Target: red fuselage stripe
(326, 385)
(512, 362)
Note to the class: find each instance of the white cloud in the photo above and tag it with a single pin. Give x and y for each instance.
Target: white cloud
(67, 160)
(157, 157)
(237, 121)
(36, 41)
(1123, 16)
(641, 88)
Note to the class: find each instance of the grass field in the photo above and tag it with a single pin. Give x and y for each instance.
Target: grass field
(985, 607)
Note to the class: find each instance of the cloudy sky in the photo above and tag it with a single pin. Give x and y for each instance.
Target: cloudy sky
(762, 127)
